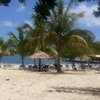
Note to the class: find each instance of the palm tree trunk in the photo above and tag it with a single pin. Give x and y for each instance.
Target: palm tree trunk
(73, 64)
(39, 64)
(82, 65)
(58, 66)
(0, 60)
(22, 59)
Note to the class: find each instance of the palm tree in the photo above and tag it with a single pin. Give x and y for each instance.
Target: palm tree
(97, 47)
(3, 48)
(60, 25)
(18, 44)
(53, 35)
(36, 37)
(77, 49)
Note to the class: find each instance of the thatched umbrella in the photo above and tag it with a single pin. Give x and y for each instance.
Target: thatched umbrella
(86, 58)
(40, 55)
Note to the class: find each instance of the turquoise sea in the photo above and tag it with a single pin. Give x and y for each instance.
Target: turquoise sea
(17, 60)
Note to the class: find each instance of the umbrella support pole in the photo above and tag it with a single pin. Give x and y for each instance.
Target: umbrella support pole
(39, 64)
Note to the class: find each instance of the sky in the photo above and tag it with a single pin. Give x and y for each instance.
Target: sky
(16, 14)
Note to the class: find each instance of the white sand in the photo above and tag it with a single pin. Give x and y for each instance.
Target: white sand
(26, 85)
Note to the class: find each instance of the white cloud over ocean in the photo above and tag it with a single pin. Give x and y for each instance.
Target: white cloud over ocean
(88, 19)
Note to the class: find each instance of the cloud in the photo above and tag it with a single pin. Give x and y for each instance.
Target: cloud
(29, 22)
(21, 8)
(88, 19)
(8, 23)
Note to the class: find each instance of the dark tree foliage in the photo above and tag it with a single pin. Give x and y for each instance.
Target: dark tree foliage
(81, 0)
(87, 0)
(43, 7)
(22, 1)
(6, 2)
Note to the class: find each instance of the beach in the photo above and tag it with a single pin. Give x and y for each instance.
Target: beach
(27, 85)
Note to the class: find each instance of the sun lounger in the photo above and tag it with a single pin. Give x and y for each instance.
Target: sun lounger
(7, 66)
(34, 67)
(45, 67)
(30, 66)
(22, 66)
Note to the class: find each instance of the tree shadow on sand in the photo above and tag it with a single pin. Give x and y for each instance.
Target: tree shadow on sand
(66, 72)
(77, 90)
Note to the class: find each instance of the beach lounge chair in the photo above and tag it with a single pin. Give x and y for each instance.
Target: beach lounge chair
(22, 66)
(30, 66)
(45, 67)
(34, 67)
(7, 66)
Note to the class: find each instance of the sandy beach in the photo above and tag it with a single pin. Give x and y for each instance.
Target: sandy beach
(25, 85)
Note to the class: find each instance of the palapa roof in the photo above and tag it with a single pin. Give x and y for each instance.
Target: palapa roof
(40, 54)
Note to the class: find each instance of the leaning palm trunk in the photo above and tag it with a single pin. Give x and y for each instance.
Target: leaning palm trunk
(0, 60)
(58, 66)
(22, 59)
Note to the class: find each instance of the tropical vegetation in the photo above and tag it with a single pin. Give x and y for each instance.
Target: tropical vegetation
(18, 44)
(55, 34)
(3, 48)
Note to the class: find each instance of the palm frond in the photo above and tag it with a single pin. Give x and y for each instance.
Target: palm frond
(79, 39)
(12, 35)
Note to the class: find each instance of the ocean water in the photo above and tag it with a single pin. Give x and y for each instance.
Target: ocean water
(17, 60)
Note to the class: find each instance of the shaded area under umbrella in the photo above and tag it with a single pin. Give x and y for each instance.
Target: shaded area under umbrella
(39, 55)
